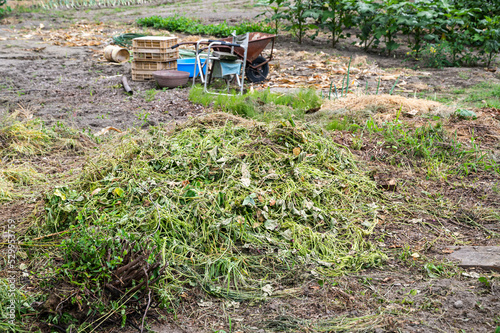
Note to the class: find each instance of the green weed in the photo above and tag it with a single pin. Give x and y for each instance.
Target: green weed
(481, 95)
(149, 95)
(344, 124)
(484, 94)
(260, 105)
(442, 152)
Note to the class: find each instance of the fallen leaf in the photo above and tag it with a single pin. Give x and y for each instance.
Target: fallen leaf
(94, 192)
(271, 225)
(245, 175)
(59, 194)
(202, 303)
(106, 130)
(411, 113)
(118, 192)
(268, 290)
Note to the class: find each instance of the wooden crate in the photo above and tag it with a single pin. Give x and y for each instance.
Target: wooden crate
(154, 65)
(154, 42)
(155, 55)
(138, 75)
(147, 74)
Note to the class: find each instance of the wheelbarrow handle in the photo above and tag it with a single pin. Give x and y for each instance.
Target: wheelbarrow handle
(184, 43)
(224, 43)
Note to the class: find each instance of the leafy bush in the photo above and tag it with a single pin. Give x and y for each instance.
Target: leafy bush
(6, 10)
(194, 26)
(469, 31)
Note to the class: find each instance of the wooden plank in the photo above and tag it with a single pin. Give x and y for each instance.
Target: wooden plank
(485, 257)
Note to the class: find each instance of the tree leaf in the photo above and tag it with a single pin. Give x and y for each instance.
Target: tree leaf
(118, 192)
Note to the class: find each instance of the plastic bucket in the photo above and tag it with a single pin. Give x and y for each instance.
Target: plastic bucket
(116, 53)
(188, 64)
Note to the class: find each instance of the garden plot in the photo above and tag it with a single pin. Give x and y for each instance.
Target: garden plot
(309, 214)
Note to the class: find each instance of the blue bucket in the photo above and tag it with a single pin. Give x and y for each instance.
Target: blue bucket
(188, 64)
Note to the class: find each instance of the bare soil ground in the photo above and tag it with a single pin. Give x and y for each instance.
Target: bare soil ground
(73, 85)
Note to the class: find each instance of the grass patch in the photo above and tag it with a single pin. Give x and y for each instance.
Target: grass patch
(484, 94)
(481, 95)
(428, 146)
(234, 210)
(197, 27)
(261, 105)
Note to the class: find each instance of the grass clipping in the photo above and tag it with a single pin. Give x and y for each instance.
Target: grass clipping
(240, 210)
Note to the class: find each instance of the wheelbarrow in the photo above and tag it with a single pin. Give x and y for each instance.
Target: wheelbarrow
(257, 66)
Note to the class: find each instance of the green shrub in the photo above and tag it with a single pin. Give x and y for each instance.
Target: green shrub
(469, 29)
(195, 26)
(4, 10)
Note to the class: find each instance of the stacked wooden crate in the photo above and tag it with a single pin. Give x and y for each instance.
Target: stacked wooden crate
(153, 53)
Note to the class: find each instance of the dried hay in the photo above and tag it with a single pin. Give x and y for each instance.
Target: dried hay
(385, 107)
(386, 103)
(359, 61)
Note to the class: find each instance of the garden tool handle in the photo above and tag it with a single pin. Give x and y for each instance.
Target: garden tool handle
(224, 43)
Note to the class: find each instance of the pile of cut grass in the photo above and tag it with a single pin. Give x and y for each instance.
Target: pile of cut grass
(22, 141)
(240, 211)
(29, 137)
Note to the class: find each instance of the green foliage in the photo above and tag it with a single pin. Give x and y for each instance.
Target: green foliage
(274, 13)
(465, 114)
(434, 271)
(4, 10)
(231, 207)
(431, 143)
(344, 124)
(149, 95)
(195, 26)
(297, 13)
(260, 105)
(484, 281)
(106, 268)
(484, 94)
(428, 146)
(62, 4)
(458, 32)
(335, 16)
